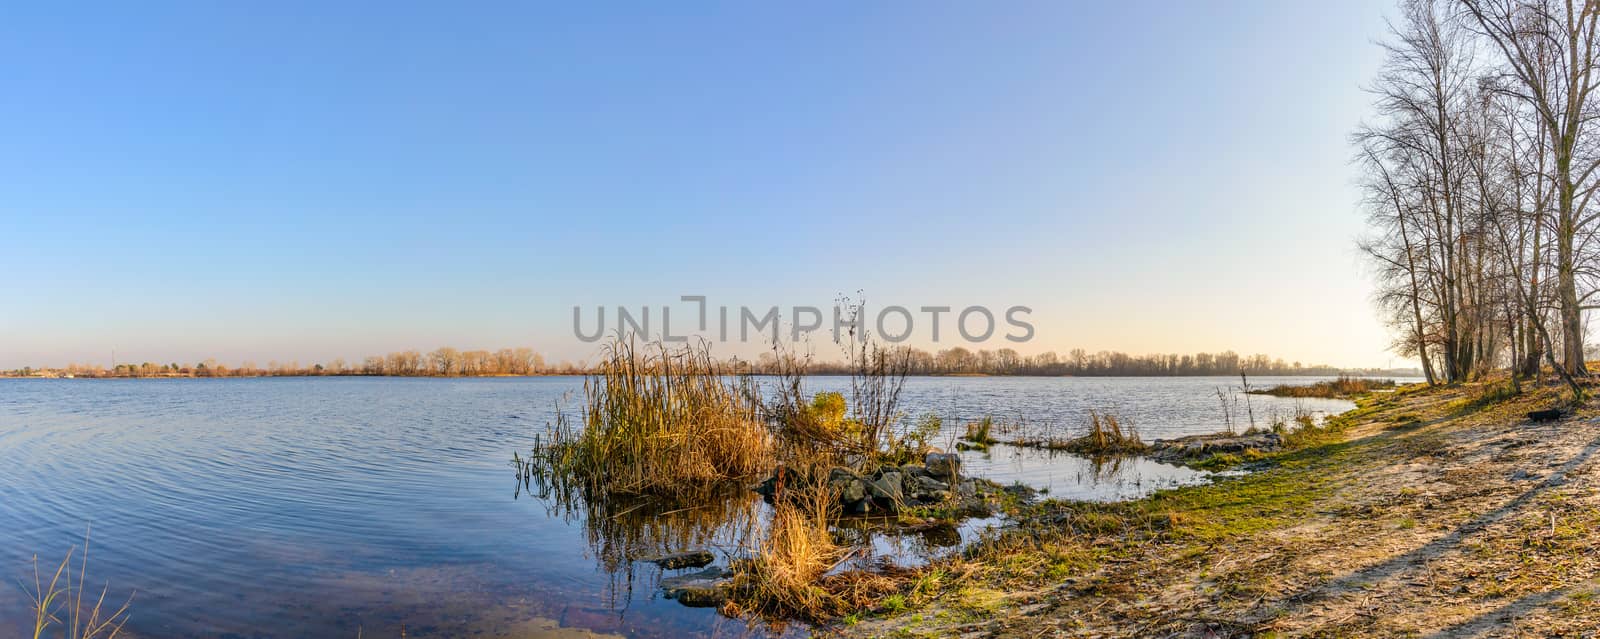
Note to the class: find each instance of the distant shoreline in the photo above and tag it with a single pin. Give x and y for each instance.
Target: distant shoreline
(1397, 373)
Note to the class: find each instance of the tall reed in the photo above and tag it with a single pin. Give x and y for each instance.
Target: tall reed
(1108, 435)
(665, 431)
(658, 421)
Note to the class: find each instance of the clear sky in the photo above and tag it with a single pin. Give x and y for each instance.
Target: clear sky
(308, 180)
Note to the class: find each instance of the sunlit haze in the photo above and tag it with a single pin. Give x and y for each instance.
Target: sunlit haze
(303, 182)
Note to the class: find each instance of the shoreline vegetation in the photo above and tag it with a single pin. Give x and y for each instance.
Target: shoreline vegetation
(664, 426)
(1424, 511)
(1434, 511)
(1104, 435)
(1344, 387)
(526, 362)
(1319, 511)
(665, 429)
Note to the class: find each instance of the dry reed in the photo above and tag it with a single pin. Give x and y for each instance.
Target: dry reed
(1107, 435)
(663, 422)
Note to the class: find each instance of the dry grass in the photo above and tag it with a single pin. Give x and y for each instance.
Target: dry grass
(1105, 434)
(793, 574)
(781, 580)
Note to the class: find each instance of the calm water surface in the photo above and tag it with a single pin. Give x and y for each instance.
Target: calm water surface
(324, 507)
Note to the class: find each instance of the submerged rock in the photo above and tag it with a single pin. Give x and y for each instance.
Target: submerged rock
(686, 559)
(704, 589)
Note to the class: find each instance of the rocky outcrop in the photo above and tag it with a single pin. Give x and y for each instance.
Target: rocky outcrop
(936, 483)
(1197, 447)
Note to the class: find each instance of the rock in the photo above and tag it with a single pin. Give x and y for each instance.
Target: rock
(855, 491)
(849, 486)
(924, 489)
(1021, 492)
(892, 488)
(768, 488)
(686, 559)
(714, 573)
(705, 589)
(946, 466)
(887, 487)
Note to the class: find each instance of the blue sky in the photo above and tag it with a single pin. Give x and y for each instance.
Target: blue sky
(305, 181)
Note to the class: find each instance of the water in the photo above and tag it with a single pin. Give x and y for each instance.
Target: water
(290, 507)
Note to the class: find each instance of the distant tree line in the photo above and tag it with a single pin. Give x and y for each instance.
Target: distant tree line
(1480, 170)
(442, 362)
(449, 362)
(1077, 362)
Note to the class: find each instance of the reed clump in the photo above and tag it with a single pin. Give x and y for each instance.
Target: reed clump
(781, 578)
(1341, 388)
(793, 573)
(1108, 435)
(670, 431)
(660, 422)
(979, 435)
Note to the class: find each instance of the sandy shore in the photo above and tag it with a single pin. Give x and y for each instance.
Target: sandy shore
(1438, 513)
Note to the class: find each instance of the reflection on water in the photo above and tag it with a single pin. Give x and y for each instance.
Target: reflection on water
(324, 507)
(621, 531)
(1062, 475)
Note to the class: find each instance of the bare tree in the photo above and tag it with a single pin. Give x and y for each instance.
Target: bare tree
(1549, 51)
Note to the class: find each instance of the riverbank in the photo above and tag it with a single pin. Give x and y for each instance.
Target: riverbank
(1429, 512)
